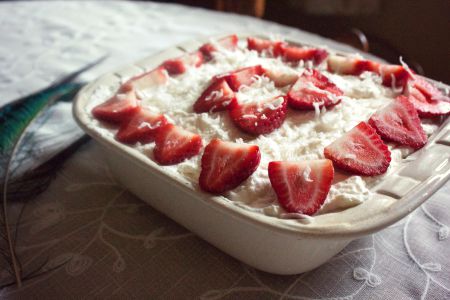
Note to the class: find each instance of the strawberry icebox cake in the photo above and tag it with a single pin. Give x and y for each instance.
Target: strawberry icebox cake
(280, 129)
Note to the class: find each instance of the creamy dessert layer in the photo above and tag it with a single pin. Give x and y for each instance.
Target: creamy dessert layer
(303, 135)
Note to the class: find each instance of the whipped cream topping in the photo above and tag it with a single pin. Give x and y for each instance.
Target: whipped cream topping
(303, 135)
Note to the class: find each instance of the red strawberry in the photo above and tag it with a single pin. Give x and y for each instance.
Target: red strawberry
(142, 127)
(281, 78)
(258, 44)
(350, 66)
(147, 80)
(360, 151)
(272, 48)
(243, 76)
(261, 117)
(225, 165)
(394, 75)
(313, 87)
(295, 54)
(228, 42)
(301, 187)
(400, 123)
(174, 145)
(216, 97)
(427, 99)
(427, 89)
(120, 108)
(179, 65)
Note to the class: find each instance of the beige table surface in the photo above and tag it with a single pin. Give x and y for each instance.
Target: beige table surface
(116, 247)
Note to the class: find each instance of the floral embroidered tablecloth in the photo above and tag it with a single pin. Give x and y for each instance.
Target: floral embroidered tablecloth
(109, 244)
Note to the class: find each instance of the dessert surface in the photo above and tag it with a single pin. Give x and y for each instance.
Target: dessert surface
(296, 130)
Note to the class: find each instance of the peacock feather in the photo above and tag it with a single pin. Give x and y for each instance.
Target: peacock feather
(15, 119)
(16, 116)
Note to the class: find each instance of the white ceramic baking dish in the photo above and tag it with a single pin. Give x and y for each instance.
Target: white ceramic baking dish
(270, 244)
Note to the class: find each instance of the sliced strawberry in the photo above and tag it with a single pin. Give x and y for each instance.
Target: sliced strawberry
(427, 99)
(400, 123)
(174, 145)
(225, 165)
(303, 186)
(179, 65)
(295, 54)
(427, 89)
(194, 59)
(119, 108)
(360, 151)
(271, 48)
(425, 106)
(153, 78)
(243, 76)
(258, 44)
(142, 127)
(228, 42)
(394, 75)
(216, 97)
(174, 66)
(281, 78)
(350, 65)
(261, 117)
(313, 88)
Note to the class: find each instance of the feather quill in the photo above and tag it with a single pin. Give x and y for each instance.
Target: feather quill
(15, 119)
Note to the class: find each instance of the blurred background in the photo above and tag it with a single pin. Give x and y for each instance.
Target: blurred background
(418, 30)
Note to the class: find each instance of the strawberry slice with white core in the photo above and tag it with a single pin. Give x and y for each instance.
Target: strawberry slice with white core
(142, 127)
(244, 76)
(400, 123)
(174, 145)
(228, 43)
(427, 99)
(303, 186)
(313, 89)
(268, 47)
(225, 165)
(261, 117)
(394, 75)
(120, 108)
(295, 54)
(360, 151)
(427, 89)
(391, 75)
(281, 78)
(216, 97)
(426, 106)
(259, 45)
(179, 65)
(154, 78)
(350, 65)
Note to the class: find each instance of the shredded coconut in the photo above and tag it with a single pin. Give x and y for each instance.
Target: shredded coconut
(302, 136)
(307, 173)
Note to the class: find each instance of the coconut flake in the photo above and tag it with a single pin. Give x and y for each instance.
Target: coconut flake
(148, 125)
(249, 116)
(317, 108)
(404, 65)
(214, 95)
(277, 103)
(306, 174)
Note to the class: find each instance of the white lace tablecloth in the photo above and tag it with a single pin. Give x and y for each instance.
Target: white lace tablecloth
(114, 245)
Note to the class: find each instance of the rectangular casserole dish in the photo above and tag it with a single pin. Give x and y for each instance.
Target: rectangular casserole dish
(280, 246)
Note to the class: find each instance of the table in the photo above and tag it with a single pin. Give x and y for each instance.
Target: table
(109, 244)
